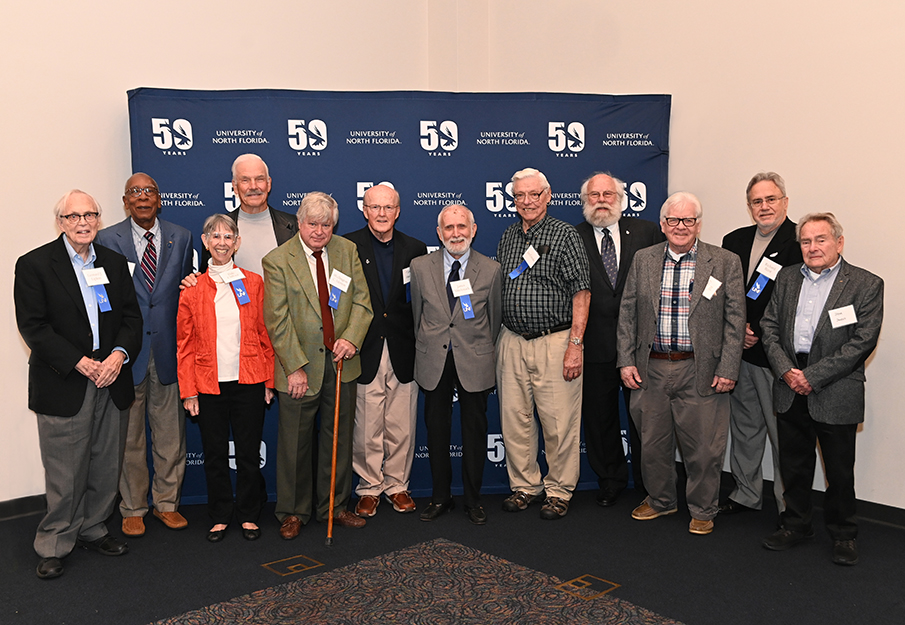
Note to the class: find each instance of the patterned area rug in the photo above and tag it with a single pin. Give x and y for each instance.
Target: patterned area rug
(437, 582)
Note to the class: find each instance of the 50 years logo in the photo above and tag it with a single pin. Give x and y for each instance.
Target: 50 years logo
(564, 138)
(307, 136)
(172, 136)
(439, 138)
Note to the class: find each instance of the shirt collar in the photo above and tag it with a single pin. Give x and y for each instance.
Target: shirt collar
(75, 257)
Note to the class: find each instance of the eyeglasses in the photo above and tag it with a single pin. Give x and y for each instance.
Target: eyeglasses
(377, 208)
(137, 191)
(74, 218)
(688, 222)
(523, 198)
(606, 195)
(216, 236)
(770, 200)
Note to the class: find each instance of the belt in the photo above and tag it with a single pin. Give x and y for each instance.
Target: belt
(671, 355)
(529, 336)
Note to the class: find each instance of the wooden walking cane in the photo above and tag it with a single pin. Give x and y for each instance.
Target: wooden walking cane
(339, 375)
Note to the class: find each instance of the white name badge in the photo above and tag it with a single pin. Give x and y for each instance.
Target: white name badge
(131, 267)
(461, 287)
(712, 287)
(95, 276)
(531, 256)
(340, 280)
(406, 275)
(844, 316)
(232, 275)
(768, 268)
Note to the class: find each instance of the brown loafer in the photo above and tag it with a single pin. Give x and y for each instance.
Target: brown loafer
(645, 512)
(173, 520)
(290, 528)
(367, 506)
(700, 527)
(347, 519)
(402, 502)
(133, 526)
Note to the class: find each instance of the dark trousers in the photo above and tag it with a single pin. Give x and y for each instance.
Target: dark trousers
(602, 429)
(798, 434)
(438, 419)
(240, 408)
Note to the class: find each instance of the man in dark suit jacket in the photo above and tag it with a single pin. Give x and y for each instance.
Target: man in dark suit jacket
(820, 326)
(763, 248)
(77, 312)
(607, 234)
(159, 254)
(679, 341)
(254, 217)
(456, 332)
(383, 443)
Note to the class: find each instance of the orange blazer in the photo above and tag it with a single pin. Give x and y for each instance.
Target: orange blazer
(196, 338)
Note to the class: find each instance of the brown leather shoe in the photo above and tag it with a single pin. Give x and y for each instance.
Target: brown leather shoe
(402, 502)
(173, 520)
(347, 519)
(133, 526)
(645, 512)
(290, 528)
(367, 506)
(700, 527)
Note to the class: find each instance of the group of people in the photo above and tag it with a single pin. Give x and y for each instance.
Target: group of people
(764, 336)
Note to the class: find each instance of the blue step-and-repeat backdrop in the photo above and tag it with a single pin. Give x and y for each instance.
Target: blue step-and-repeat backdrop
(434, 148)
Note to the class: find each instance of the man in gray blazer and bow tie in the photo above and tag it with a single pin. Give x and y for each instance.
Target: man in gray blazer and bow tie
(457, 307)
(821, 324)
(679, 346)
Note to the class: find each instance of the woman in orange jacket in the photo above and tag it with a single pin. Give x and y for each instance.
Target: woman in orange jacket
(225, 369)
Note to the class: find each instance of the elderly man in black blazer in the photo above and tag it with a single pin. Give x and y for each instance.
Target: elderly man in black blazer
(383, 439)
(764, 249)
(611, 241)
(822, 323)
(76, 310)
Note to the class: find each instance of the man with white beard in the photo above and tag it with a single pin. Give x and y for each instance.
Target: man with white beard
(456, 304)
(611, 241)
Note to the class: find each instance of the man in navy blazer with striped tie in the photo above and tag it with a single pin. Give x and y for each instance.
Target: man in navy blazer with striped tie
(159, 255)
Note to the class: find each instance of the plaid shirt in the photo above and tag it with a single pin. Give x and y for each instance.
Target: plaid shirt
(541, 297)
(676, 283)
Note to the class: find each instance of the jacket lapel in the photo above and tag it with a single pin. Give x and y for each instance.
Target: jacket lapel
(298, 263)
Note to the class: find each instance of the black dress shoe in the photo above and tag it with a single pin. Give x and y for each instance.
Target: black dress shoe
(476, 515)
(48, 568)
(251, 534)
(733, 507)
(607, 497)
(845, 552)
(108, 545)
(215, 536)
(436, 509)
(782, 539)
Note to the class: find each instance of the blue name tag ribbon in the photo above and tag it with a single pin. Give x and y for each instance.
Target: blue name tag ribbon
(518, 270)
(467, 310)
(103, 302)
(335, 294)
(758, 287)
(241, 293)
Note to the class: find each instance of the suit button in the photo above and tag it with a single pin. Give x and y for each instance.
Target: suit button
(446, 347)
(452, 325)
(384, 315)
(148, 333)
(321, 350)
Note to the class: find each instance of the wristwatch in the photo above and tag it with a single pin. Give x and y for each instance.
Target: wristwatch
(574, 340)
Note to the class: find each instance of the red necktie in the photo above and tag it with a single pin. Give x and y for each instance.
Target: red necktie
(149, 261)
(323, 293)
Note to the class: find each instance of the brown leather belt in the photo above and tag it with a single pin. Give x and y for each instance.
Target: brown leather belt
(671, 355)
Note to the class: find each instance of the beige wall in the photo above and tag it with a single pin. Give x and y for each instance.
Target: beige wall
(807, 89)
